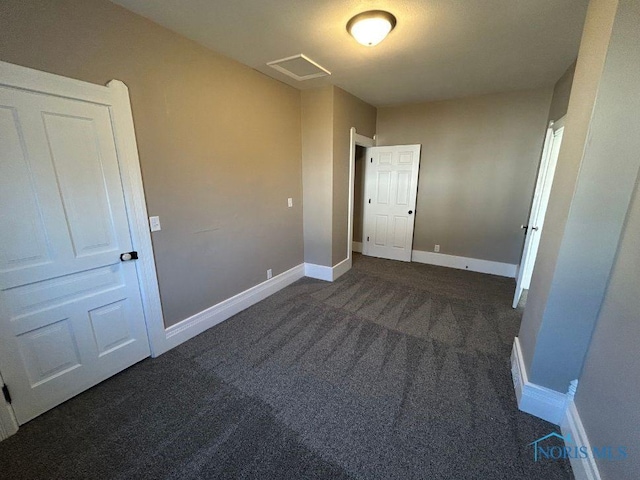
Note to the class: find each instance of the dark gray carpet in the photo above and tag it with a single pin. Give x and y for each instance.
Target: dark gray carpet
(395, 371)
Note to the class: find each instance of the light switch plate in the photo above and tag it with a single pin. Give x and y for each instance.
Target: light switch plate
(154, 223)
(290, 202)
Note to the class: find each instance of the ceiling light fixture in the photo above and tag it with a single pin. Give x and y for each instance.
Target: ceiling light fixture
(370, 28)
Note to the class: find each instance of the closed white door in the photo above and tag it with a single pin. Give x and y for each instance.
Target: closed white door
(533, 229)
(391, 187)
(71, 312)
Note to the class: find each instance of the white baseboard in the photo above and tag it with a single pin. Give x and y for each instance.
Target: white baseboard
(341, 268)
(583, 468)
(328, 274)
(319, 272)
(536, 400)
(464, 263)
(356, 247)
(198, 323)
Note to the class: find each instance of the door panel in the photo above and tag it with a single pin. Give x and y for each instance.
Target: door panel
(71, 312)
(73, 143)
(23, 241)
(399, 231)
(391, 182)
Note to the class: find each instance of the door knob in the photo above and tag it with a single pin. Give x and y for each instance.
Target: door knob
(410, 212)
(128, 256)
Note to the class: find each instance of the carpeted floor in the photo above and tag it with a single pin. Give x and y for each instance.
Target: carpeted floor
(394, 371)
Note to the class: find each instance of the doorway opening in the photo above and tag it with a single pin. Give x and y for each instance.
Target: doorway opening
(358, 198)
(357, 146)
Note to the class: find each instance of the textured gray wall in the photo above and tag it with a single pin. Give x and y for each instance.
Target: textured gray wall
(328, 113)
(349, 111)
(591, 58)
(608, 166)
(219, 143)
(608, 392)
(561, 94)
(317, 174)
(478, 167)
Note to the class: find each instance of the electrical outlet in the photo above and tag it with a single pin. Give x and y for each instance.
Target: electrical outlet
(290, 202)
(154, 223)
(436, 248)
(269, 274)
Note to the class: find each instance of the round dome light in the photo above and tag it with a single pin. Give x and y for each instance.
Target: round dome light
(370, 28)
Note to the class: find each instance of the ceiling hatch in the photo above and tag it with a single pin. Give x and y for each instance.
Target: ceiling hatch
(299, 67)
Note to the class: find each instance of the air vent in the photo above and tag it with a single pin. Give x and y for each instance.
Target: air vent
(299, 67)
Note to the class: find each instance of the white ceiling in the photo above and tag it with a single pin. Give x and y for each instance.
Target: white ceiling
(439, 49)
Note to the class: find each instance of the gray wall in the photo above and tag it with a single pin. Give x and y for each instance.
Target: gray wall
(561, 94)
(591, 57)
(328, 113)
(608, 392)
(349, 111)
(219, 143)
(317, 174)
(477, 169)
(595, 177)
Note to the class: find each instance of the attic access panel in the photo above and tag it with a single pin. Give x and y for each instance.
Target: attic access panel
(299, 67)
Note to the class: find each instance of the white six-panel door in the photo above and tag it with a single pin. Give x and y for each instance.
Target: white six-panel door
(70, 310)
(391, 186)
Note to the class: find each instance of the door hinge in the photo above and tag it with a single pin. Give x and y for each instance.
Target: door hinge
(369, 200)
(367, 239)
(372, 160)
(7, 395)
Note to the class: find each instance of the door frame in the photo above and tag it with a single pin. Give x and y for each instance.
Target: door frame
(527, 262)
(355, 139)
(115, 96)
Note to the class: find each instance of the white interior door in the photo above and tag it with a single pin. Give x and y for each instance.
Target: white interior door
(533, 229)
(391, 187)
(71, 311)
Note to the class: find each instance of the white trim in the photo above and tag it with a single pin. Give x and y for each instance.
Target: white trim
(536, 400)
(131, 176)
(276, 65)
(583, 468)
(328, 274)
(8, 422)
(356, 247)
(465, 263)
(354, 139)
(340, 269)
(28, 79)
(319, 272)
(198, 323)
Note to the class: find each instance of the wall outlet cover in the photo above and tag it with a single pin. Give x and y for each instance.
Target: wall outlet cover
(154, 224)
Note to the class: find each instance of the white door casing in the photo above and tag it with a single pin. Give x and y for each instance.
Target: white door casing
(391, 187)
(71, 200)
(546, 172)
(355, 139)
